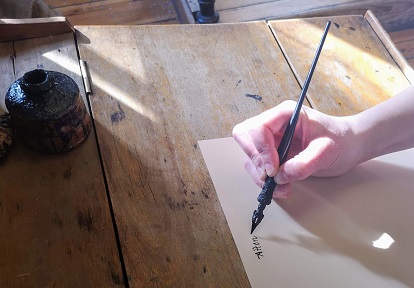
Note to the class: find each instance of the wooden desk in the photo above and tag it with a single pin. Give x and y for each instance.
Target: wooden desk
(134, 206)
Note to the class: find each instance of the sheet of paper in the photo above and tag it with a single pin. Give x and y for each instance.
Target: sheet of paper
(355, 230)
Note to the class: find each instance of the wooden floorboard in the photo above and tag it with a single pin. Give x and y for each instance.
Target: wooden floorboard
(115, 12)
(394, 16)
(63, 3)
(404, 40)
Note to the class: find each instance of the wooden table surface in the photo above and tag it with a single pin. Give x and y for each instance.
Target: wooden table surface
(135, 206)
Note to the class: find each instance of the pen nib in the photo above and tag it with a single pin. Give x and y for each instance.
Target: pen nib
(257, 217)
(254, 225)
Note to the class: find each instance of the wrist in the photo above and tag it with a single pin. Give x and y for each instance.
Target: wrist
(373, 135)
(358, 140)
(386, 127)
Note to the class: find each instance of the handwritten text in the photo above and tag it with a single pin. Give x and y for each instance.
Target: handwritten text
(257, 249)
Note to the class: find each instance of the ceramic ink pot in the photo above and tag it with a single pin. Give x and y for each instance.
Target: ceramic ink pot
(48, 112)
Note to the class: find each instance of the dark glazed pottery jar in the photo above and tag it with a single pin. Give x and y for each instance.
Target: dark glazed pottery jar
(48, 112)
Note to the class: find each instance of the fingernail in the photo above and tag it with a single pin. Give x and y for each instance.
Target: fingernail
(277, 178)
(269, 168)
(280, 177)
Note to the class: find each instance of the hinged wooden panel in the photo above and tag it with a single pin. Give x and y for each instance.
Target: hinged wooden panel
(355, 71)
(157, 91)
(55, 224)
(388, 43)
(17, 29)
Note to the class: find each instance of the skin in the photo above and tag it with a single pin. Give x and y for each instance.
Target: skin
(324, 145)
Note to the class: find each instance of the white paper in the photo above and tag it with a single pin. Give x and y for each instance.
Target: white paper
(330, 232)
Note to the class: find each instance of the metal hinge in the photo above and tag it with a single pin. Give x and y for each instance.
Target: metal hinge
(85, 76)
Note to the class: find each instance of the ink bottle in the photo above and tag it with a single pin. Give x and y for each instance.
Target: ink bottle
(48, 112)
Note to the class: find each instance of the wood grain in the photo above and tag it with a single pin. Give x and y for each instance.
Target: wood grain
(63, 3)
(390, 46)
(393, 15)
(112, 12)
(404, 40)
(354, 71)
(56, 227)
(152, 102)
(18, 29)
(184, 13)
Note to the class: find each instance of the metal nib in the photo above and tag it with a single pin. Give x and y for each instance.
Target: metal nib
(254, 225)
(257, 217)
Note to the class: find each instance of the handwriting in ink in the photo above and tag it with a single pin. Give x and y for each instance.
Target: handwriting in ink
(257, 249)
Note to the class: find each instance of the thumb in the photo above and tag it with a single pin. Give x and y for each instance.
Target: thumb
(264, 143)
(317, 156)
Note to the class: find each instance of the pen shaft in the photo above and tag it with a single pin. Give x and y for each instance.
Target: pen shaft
(284, 146)
(265, 197)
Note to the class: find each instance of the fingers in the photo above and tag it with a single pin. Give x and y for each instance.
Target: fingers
(242, 137)
(319, 155)
(258, 175)
(320, 134)
(282, 191)
(256, 136)
(264, 142)
(276, 118)
(259, 136)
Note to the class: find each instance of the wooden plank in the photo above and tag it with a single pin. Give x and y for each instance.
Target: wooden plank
(6, 70)
(183, 12)
(18, 29)
(167, 22)
(56, 227)
(152, 104)
(390, 46)
(63, 3)
(111, 12)
(404, 40)
(354, 70)
(393, 15)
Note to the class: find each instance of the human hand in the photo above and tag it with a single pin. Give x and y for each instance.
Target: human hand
(321, 146)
